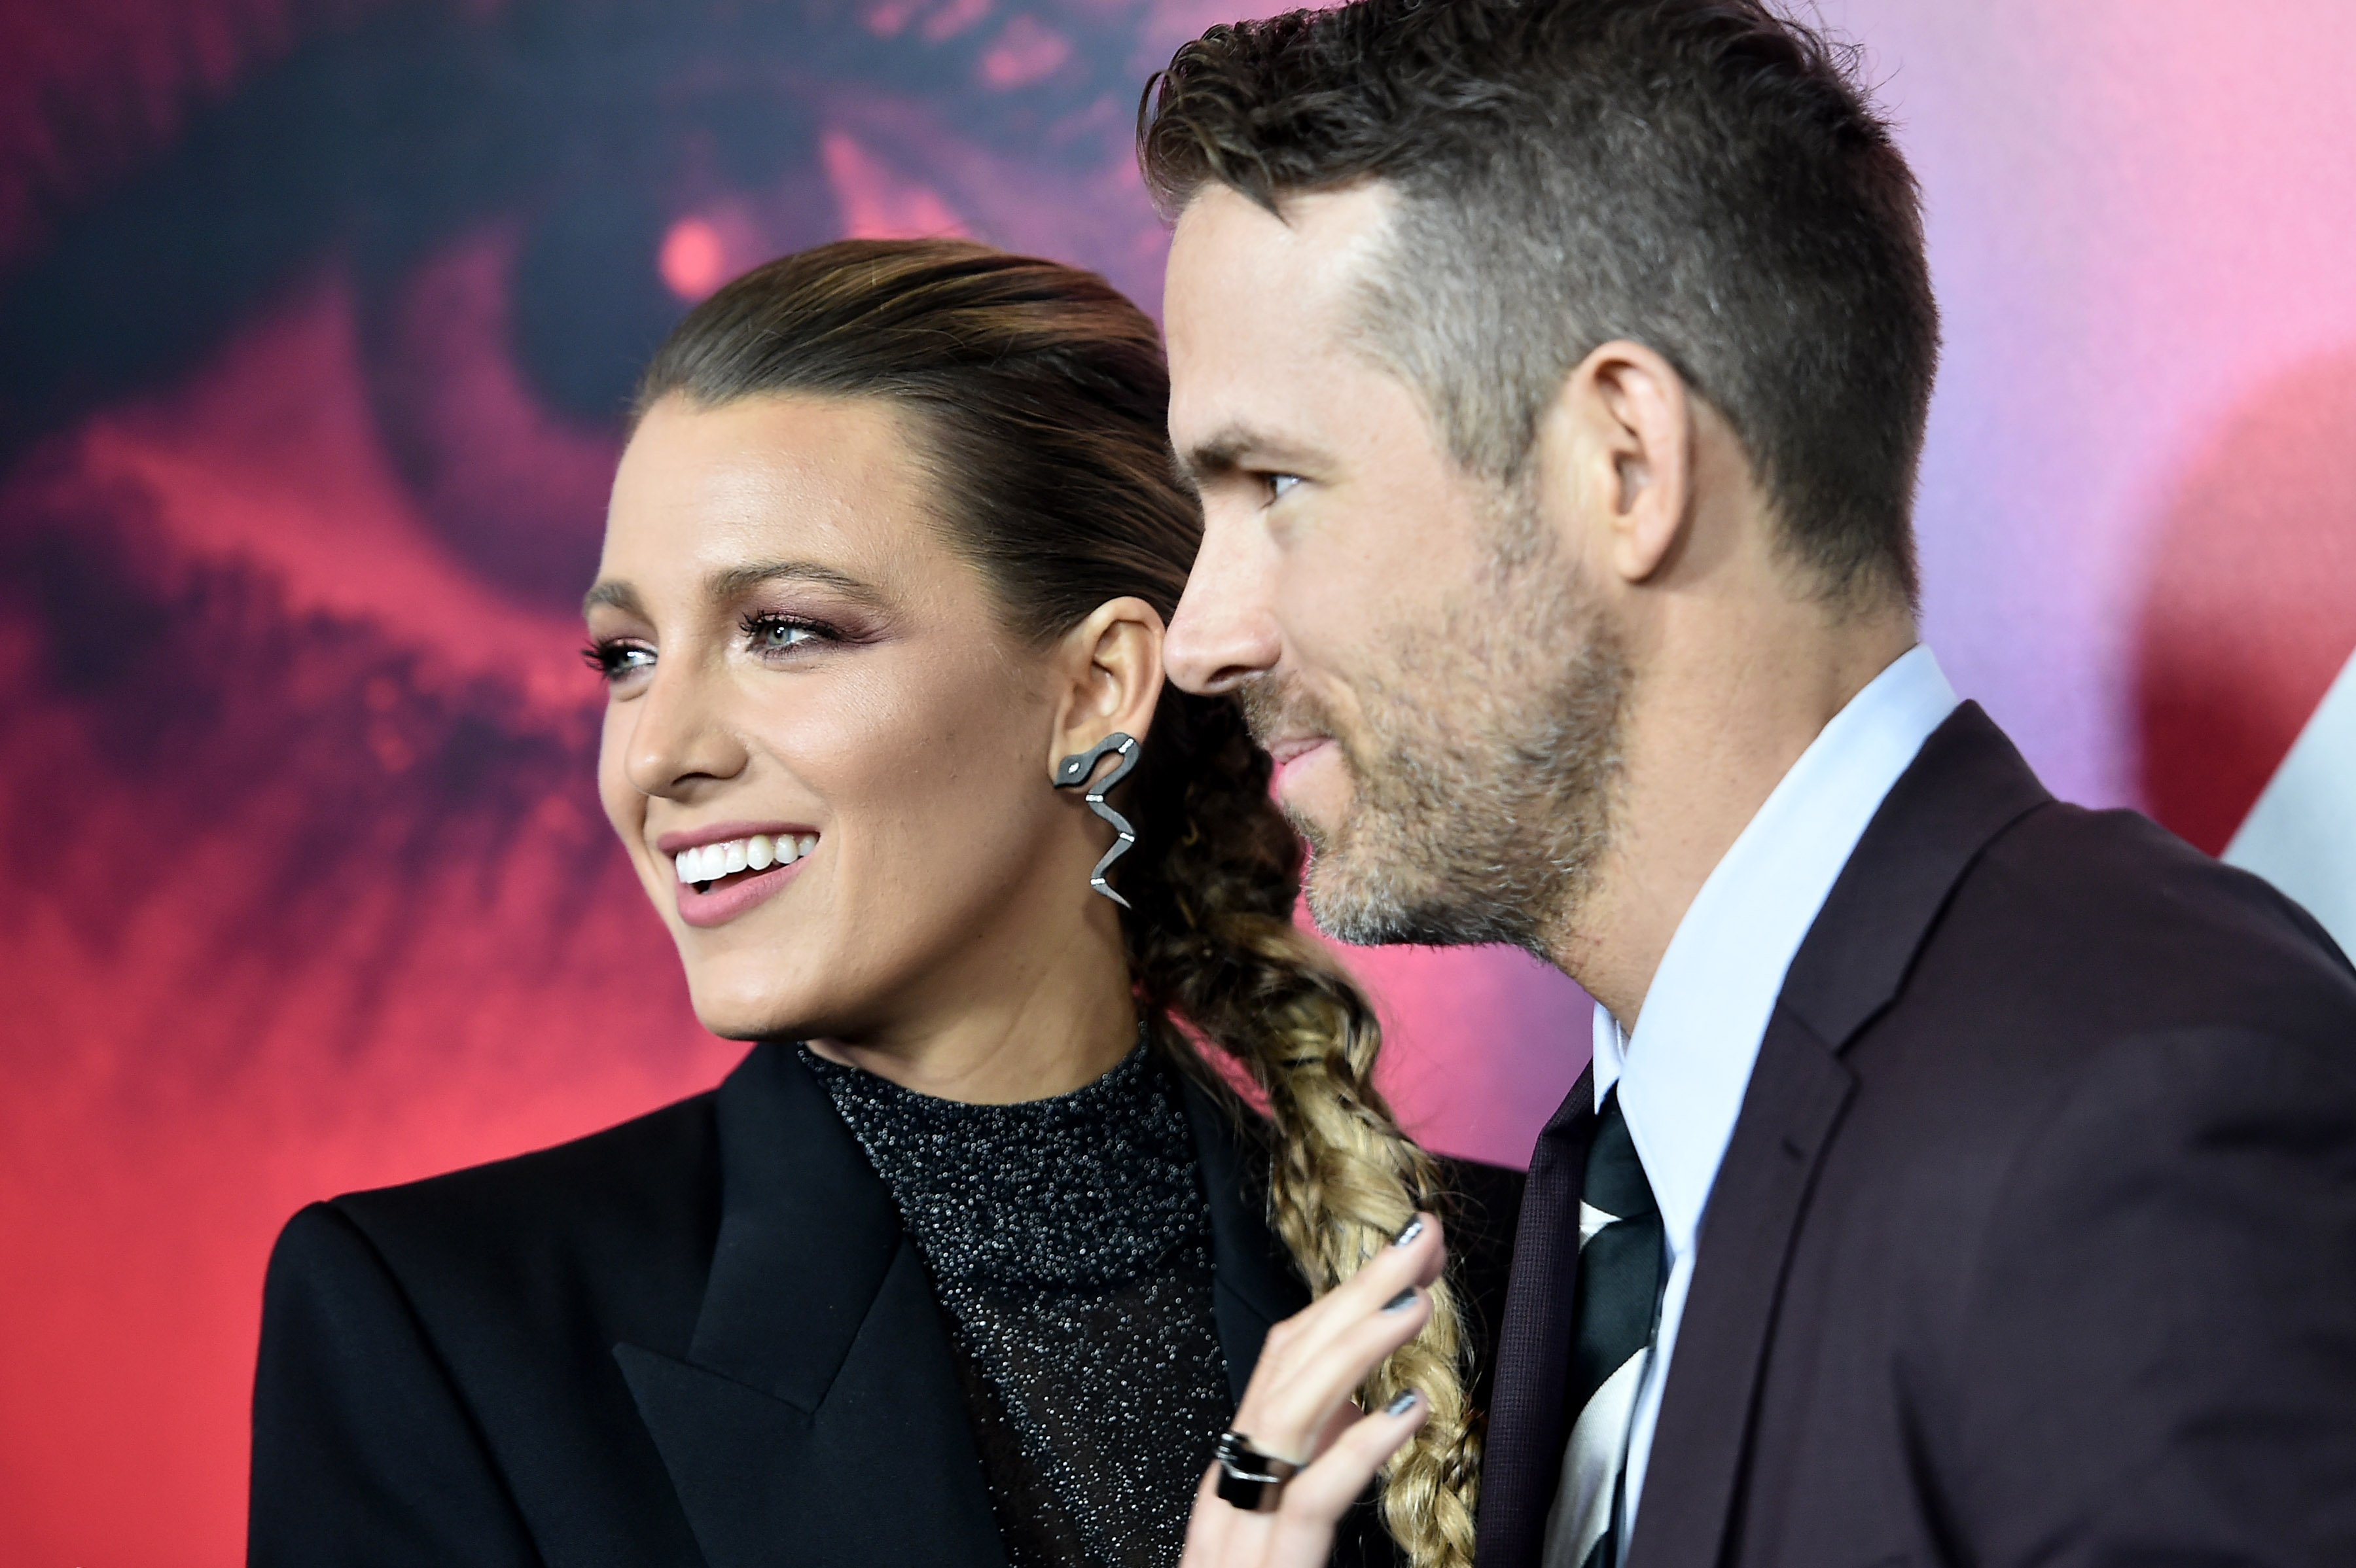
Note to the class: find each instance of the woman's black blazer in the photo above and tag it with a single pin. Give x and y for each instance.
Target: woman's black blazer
(700, 1337)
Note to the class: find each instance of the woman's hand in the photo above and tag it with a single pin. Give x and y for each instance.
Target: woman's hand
(1300, 1408)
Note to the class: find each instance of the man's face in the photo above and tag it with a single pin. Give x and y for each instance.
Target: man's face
(1414, 643)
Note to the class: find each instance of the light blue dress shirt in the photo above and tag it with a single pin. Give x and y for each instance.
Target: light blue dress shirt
(1682, 1074)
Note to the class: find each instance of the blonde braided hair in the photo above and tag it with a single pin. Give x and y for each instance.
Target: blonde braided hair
(1039, 397)
(1213, 944)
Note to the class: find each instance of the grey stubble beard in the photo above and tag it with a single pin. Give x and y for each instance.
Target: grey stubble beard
(1483, 777)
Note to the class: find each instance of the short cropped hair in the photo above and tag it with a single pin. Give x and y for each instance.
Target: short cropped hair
(1707, 178)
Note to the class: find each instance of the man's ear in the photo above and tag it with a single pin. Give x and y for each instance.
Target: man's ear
(1617, 447)
(1109, 677)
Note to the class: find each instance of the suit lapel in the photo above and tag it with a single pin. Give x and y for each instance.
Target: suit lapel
(1966, 786)
(1797, 1091)
(1254, 1284)
(817, 1417)
(1528, 1424)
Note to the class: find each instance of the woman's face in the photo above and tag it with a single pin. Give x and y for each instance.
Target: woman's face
(809, 686)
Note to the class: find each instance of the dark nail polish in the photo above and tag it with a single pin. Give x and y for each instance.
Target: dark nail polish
(1414, 1228)
(1403, 1403)
(1400, 1302)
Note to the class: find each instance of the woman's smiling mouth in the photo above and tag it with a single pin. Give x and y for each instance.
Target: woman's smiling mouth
(721, 879)
(712, 862)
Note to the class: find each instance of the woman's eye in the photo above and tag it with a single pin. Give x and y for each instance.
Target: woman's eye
(617, 661)
(1278, 484)
(775, 634)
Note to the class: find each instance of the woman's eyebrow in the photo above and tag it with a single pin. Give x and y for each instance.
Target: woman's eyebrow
(737, 580)
(619, 595)
(729, 583)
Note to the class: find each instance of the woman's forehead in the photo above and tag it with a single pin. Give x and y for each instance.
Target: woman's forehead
(827, 496)
(702, 491)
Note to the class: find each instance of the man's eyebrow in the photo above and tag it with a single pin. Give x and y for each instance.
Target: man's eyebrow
(1233, 447)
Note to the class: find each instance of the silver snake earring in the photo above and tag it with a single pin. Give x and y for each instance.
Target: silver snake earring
(1074, 770)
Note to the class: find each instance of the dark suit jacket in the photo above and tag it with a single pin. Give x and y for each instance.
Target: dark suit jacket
(2036, 1241)
(699, 1337)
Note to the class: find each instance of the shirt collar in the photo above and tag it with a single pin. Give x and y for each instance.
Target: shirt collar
(1682, 1075)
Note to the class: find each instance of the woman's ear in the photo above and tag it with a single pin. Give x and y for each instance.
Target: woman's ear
(1108, 677)
(1617, 450)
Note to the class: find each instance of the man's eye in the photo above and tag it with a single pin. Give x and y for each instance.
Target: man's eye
(1278, 484)
(617, 661)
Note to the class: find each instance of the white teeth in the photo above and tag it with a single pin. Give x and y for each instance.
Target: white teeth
(710, 863)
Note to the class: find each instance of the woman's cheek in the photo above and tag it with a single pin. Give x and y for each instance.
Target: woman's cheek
(942, 788)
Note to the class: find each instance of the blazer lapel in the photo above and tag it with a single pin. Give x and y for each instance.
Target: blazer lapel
(1528, 1424)
(1797, 1091)
(1254, 1284)
(817, 1417)
(1967, 785)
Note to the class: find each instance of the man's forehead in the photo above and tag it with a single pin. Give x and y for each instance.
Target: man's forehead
(1313, 254)
(1262, 307)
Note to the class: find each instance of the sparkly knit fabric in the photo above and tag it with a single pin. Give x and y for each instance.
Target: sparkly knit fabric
(1069, 1241)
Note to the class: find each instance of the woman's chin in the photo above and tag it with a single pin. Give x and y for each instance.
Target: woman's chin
(747, 1013)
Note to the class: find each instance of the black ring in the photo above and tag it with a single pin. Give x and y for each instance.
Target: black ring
(1249, 1479)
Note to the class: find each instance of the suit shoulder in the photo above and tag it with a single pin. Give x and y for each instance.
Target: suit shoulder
(623, 1215)
(2087, 952)
(2108, 916)
(599, 1177)
(2074, 861)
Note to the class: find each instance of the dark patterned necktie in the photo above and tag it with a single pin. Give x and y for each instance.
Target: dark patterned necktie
(1617, 1304)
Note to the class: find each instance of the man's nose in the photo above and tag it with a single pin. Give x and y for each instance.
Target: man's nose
(1226, 630)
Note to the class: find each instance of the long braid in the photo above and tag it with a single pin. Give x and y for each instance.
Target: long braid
(1213, 945)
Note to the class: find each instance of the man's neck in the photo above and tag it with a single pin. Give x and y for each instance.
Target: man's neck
(1707, 738)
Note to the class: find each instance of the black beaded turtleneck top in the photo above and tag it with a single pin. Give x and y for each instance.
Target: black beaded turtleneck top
(1069, 1243)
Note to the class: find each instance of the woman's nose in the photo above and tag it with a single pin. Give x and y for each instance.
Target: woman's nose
(1226, 630)
(680, 738)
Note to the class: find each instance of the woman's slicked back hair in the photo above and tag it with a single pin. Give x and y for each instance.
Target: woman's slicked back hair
(1040, 389)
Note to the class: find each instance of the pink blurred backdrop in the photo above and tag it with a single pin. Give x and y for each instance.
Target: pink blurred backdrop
(311, 320)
